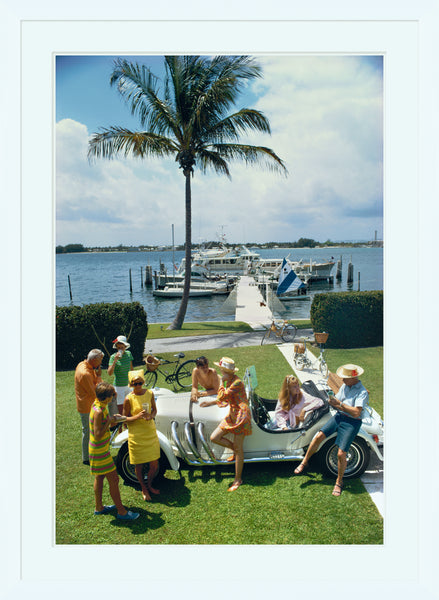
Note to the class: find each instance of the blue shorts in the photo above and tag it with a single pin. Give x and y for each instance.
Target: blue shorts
(346, 427)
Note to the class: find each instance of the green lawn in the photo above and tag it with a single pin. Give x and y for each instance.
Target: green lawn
(194, 506)
(159, 330)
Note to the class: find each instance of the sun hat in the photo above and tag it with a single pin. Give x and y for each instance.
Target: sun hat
(121, 339)
(135, 375)
(349, 371)
(227, 364)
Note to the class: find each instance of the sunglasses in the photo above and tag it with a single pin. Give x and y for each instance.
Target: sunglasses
(137, 382)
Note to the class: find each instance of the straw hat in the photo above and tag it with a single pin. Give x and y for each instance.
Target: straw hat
(349, 371)
(226, 364)
(121, 339)
(135, 375)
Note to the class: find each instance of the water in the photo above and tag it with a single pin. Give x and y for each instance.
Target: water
(104, 277)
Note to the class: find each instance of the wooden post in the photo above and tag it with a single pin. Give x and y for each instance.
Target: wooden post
(131, 284)
(350, 277)
(70, 288)
(148, 275)
(358, 280)
(339, 268)
(141, 277)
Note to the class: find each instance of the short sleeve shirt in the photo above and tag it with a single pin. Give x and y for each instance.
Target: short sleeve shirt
(354, 395)
(121, 368)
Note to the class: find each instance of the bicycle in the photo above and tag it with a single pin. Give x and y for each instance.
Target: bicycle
(182, 372)
(321, 339)
(282, 329)
(301, 359)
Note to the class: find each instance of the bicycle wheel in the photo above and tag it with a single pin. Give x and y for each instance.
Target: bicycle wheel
(299, 362)
(184, 374)
(289, 333)
(150, 379)
(265, 336)
(323, 368)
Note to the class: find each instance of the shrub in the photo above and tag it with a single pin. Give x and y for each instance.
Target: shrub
(81, 328)
(352, 319)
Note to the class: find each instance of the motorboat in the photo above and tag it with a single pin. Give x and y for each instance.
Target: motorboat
(221, 259)
(312, 271)
(177, 292)
(197, 288)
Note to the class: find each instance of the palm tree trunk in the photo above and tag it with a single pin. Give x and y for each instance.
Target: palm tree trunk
(179, 317)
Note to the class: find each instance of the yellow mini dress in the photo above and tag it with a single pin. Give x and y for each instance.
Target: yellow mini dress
(143, 442)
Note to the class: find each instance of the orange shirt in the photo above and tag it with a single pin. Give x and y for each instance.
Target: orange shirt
(86, 381)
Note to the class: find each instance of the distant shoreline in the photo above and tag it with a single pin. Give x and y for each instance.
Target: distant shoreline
(133, 250)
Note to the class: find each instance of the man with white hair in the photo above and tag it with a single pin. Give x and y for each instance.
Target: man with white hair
(350, 402)
(87, 376)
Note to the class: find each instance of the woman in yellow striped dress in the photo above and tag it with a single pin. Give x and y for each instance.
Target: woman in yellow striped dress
(101, 462)
(143, 443)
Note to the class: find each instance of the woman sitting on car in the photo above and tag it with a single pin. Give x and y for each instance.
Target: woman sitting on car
(293, 405)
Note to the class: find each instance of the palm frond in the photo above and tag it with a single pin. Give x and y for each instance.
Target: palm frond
(260, 155)
(120, 141)
(139, 88)
(232, 126)
(210, 159)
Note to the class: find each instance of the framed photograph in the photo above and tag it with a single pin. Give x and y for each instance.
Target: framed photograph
(404, 39)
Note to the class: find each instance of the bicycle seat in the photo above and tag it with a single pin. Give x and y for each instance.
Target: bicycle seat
(179, 355)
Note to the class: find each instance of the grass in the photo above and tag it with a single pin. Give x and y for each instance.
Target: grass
(371, 359)
(194, 506)
(160, 331)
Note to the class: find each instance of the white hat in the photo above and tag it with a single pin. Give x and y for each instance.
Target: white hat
(226, 364)
(349, 371)
(121, 339)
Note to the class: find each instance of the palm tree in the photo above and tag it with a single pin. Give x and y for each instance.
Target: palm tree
(188, 119)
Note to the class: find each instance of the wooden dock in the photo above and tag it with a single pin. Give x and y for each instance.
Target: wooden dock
(250, 304)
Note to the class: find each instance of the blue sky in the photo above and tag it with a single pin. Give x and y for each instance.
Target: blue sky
(326, 116)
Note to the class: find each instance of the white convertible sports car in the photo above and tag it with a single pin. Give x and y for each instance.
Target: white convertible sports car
(184, 430)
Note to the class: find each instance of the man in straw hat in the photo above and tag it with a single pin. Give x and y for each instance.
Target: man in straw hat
(350, 401)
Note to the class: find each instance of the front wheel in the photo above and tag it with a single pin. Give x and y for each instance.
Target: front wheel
(323, 368)
(150, 379)
(357, 456)
(126, 469)
(184, 374)
(289, 333)
(265, 337)
(299, 362)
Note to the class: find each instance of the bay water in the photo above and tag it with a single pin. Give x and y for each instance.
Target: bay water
(105, 277)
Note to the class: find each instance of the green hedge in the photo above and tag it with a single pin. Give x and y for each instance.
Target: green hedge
(79, 329)
(352, 319)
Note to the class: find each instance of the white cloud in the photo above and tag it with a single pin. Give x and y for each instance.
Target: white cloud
(326, 120)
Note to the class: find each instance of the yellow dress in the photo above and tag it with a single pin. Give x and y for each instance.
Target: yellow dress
(143, 442)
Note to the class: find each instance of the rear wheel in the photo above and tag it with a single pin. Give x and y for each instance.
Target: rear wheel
(126, 469)
(184, 374)
(358, 457)
(150, 379)
(289, 333)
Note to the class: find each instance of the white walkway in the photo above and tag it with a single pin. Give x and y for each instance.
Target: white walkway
(250, 305)
(373, 477)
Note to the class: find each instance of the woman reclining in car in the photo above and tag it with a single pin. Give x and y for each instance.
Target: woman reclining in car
(293, 405)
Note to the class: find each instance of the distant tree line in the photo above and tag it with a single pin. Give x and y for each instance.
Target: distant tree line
(300, 243)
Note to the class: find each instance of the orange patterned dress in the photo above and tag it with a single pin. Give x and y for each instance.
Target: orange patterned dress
(238, 421)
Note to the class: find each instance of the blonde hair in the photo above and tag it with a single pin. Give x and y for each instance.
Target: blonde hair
(285, 398)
